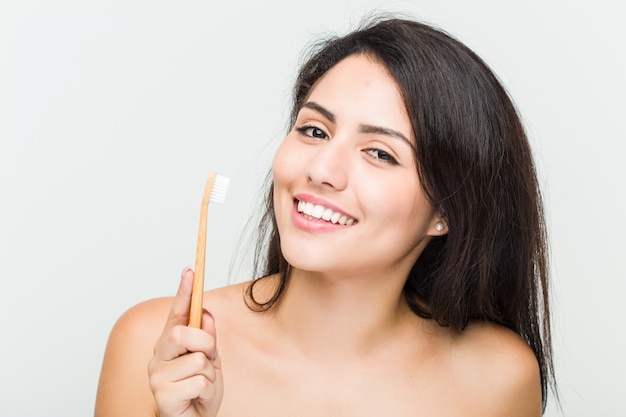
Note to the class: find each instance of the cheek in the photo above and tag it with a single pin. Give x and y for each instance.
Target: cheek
(285, 160)
(396, 197)
(284, 173)
(277, 162)
(403, 205)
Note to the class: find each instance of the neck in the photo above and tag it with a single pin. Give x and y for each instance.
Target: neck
(342, 316)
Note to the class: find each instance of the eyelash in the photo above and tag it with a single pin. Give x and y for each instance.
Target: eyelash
(303, 130)
(378, 154)
(382, 156)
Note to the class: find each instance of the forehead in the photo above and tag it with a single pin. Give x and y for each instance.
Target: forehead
(358, 71)
(360, 88)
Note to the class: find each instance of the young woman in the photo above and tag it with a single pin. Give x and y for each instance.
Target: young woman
(404, 269)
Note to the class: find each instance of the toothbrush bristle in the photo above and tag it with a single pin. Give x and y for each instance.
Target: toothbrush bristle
(220, 188)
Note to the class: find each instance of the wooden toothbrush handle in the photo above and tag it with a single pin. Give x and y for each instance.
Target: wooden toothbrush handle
(195, 311)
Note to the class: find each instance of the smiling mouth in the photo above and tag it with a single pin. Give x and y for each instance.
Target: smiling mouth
(319, 212)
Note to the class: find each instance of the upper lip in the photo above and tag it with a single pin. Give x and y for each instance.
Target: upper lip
(320, 201)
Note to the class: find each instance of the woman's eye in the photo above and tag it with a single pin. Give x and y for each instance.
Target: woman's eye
(313, 132)
(382, 156)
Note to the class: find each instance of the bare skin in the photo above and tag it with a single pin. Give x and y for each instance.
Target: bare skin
(411, 367)
(342, 340)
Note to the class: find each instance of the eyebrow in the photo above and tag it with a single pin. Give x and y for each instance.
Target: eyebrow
(314, 106)
(364, 128)
(386, 131)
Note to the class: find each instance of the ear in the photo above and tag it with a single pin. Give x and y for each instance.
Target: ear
(438, 225)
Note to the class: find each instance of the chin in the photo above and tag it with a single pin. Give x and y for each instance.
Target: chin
(322, 262)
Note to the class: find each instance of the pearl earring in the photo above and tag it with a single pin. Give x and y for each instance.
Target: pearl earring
(439, 227)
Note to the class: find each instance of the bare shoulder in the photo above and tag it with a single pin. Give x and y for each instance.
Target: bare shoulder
(227, 300)
(235, 321)
(140, 326)
(144, 322)
(498, 372)
(230, 307)
(124, 388)
(148, 315)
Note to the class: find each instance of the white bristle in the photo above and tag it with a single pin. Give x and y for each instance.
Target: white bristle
(220, 188)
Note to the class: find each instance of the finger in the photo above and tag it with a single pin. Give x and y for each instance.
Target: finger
(186, 366)
(195, 387)
(179, 313)
(171, 343)
(182, 339)
(208, 325)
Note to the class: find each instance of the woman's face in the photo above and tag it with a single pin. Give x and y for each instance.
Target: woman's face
(346, 192)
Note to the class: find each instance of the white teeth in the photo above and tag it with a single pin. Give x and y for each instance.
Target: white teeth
(320, 212)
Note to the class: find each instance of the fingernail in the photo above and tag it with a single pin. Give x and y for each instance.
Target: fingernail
(187, 268)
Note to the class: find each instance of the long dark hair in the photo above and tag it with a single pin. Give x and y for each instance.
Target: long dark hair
(475, 165)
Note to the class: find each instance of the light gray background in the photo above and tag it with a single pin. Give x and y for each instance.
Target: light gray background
(113, 112)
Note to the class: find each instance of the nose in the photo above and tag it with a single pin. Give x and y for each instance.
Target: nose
(330, 165)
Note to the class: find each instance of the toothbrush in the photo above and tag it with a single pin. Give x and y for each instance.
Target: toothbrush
(214, 191)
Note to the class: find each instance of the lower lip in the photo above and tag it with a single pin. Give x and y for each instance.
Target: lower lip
(310, 224)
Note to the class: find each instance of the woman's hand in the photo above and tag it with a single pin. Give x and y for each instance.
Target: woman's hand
(185, 372)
